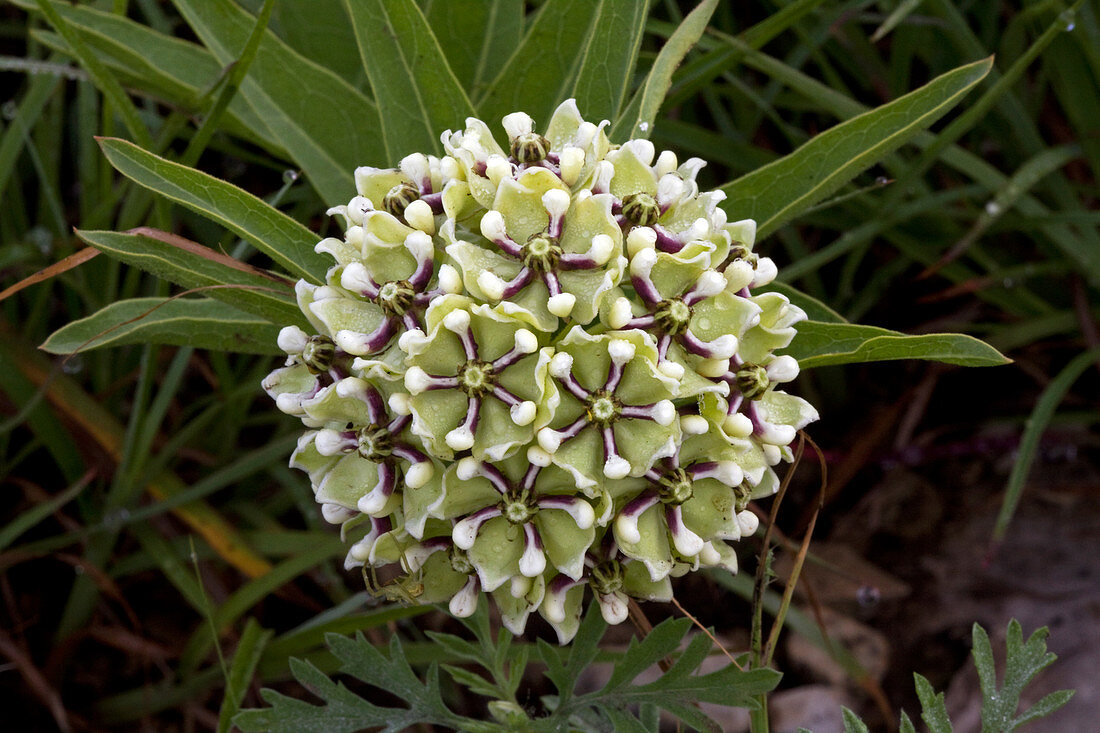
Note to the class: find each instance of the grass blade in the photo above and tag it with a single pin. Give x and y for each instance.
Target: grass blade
(249, 650)
(102, 77)
(1029, 444)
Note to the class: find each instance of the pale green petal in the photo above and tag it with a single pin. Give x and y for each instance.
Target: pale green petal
(473, 260)
(775, 330)
(644, 442)
(652, 549)
(496, 435)
(588, 217)
(339, 250)
(307, 458)
(725, 313)
(421, 503)
(440, 580)
(375, 183)
(463, 497)
(496, 552)
(436, 413)
(330, 409)
(567, 628)
(582, 457)
(293, 379)
(514, 611)
(638, 584)
(458, 202)
(590, 287)
(564, 542)
(631, 176)
(709, 512)
(304, 293)
(780, 408)
(347, 314)
(348, 481)
(562, 128)
(520, 202)
(673, 273)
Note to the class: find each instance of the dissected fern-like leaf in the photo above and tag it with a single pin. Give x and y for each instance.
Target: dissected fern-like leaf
(344, 710)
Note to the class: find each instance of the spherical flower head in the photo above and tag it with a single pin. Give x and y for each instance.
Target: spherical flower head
(537, 370)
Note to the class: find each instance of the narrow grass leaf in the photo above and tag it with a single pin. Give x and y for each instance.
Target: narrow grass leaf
(320, 119)
(409, 75)
(896, 16)
(249, 650)
(82, 410)
(191, 265)
(781, 190)
(35, 514)
(200, 322)
(160, 65)
(266, 228)
(101, 75)
(39, 91)
(824, 344)
(638, 118)
(1029, 444)
(609, 57)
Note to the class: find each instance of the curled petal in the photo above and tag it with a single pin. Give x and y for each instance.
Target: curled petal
(464, 603)
(614, 607)
(578, 508)
(533, 560)
(465, 531)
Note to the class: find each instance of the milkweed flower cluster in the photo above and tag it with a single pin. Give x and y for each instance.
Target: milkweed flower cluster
(540, 372)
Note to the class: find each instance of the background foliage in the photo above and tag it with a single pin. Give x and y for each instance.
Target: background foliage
(157, 555)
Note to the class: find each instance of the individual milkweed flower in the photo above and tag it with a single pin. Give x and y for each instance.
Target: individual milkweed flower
(616, 415)
(541, 250)
(538, 370)
(476, 380)
(613, 579)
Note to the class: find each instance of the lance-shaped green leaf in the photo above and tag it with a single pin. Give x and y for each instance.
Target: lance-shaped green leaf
(610, 53)
(191, 265)
(409, 75)
(319, 30)
(825, 344)
(541, 71)
(169, 68)
(638, 117)
(782, 189)
(320, 119)
(201, 322)
(269, 230)
(474, 35)
(814, 308)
